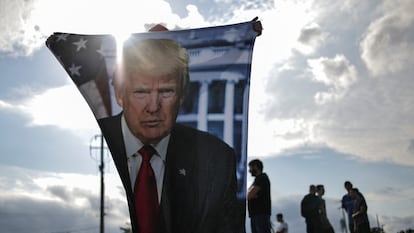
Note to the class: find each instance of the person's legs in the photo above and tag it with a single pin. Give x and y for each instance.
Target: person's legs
(363, 228)
(261, 224)
(351, 228)
(309, 226)
(253, 224)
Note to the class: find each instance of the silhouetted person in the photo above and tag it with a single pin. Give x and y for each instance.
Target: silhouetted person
(309, 210)
(325, 226)
(348, 204)
(258, 198)
(359, 215)
(282, 227)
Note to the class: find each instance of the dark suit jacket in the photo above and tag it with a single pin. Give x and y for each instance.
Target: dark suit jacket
(201, 201)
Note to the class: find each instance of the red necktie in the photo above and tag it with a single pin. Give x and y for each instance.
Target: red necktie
(145, 191)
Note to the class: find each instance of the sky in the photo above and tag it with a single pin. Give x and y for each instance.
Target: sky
(331, 100)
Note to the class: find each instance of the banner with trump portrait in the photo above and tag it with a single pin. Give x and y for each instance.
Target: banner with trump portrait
(186, 94)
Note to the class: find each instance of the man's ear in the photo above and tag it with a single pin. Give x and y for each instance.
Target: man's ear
(118, 97)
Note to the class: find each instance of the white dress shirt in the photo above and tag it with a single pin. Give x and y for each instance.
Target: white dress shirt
(132, 145)
(281, 226)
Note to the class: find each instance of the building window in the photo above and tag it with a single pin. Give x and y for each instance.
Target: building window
(237, 138)
(216, 128)
(216, 93)
(238, 96)
(190, 104)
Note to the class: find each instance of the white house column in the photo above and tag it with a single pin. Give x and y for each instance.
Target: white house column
(203, 106)
(229, 110)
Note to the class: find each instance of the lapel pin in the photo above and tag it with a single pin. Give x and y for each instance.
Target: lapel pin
(182, 171)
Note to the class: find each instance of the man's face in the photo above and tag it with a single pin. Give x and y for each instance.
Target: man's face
(353, 194)
(150, 105)
(348, 186)
(254, 171)
(312, 190)
(279, 219)
(321, 191)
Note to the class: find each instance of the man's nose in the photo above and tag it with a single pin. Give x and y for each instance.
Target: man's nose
(154, 102)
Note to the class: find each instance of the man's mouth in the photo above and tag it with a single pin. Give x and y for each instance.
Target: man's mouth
(151, 123)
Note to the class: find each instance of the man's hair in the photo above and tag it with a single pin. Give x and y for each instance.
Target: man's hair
(319, 187)
(312, 188)
(356, 190)
(279, 215)
(348, 183)
(257, 163)
(154, 57)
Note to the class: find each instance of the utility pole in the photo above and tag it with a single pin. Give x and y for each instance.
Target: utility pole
(101, 149)
(101, 169)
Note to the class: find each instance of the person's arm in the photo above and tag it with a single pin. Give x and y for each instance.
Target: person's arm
(357, 213)
(252, 192)
(362, 210)
(281, 229)
(343, 202)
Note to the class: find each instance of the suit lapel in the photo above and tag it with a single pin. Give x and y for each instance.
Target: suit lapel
(112, 132)
(178, 191)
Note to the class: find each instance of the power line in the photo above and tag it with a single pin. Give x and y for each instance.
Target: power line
(102, 150)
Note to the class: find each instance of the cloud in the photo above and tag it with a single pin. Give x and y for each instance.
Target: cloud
(25, 25)
(311, 38)
(253, 5)
(394, 191)
(193, 18)
(5, 105)
(388, 42)
(372, 121)
(336, 73)
(397, 224)
(59, 111)
(62, 106)
(20, 34)
(57, 202)
(328, 97)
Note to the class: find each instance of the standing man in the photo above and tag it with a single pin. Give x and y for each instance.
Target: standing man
(283, 226)
(347, 205)
(309, 208)
(325, 226)
(191, 174)
(360, 215)
(258, 197)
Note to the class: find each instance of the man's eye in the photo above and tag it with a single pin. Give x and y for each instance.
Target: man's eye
(141, 94)
(166, 93)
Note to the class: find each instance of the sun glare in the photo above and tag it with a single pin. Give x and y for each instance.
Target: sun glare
(120, 38)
